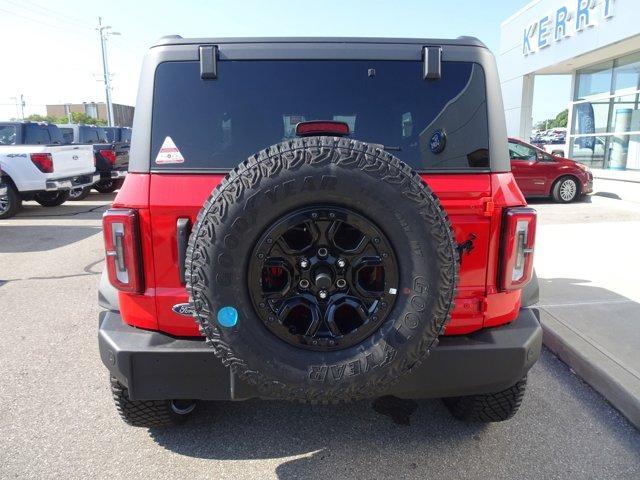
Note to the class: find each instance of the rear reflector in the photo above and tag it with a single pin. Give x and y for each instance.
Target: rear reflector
(322, 127)
(122, 248)
(43, 161)
(109, 156)
(518, 239)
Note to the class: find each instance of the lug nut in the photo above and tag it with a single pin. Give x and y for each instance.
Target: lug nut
(304, 263)
(341, 263)
(341, 283)
(323, 252)
(304, 283)
(322, 294)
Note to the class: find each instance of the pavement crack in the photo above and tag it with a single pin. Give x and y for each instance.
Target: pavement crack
(91, 210)
(87, 272)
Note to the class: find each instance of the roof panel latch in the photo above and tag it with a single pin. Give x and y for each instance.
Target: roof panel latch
(208, 62)
(432, 58)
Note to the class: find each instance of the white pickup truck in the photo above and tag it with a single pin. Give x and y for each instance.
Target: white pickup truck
(37, 166)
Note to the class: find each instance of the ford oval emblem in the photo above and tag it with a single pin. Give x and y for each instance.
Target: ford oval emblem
(183, 309)
(75, 157)
(437, 142)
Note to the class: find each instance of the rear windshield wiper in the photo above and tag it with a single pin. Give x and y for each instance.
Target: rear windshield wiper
(388, 148)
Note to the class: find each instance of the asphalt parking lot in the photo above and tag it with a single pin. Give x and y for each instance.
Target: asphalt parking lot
(58, 419)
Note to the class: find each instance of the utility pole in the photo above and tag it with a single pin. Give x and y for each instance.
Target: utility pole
(22, 105)
(104, 32)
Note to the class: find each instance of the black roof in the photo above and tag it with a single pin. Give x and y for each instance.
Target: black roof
(178, 40)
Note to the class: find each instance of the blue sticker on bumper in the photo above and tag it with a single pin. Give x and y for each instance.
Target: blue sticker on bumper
(227, 317)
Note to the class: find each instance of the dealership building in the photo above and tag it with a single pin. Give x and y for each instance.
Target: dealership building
(597, 42)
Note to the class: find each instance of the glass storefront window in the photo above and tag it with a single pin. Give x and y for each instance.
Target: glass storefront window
(595, 80)
(626, 74)
(589, 150)
(590, 117)
(625, 115)
(604, 128)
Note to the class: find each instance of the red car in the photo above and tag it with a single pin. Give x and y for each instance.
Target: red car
(540, 174)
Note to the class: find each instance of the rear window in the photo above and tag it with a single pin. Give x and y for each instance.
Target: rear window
(125, 135)
(37, 135)
(7, 134)
(111, 134)
(89, 135)
(216, 124)
(67, 135)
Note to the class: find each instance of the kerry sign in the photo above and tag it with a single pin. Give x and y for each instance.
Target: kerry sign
(567, 20)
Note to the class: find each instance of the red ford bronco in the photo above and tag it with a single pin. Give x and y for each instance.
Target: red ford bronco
(319, 220)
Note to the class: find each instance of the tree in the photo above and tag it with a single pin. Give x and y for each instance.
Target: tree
(41, 118)
(76, 117)
(559, 122)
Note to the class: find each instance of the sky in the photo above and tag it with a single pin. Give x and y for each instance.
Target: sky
(51, 51)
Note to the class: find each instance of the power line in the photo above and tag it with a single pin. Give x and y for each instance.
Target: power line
(50, 25)
(48, 14)
(65, 15)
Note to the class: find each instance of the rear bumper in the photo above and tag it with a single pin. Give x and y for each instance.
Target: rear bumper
(115, 174)
(155, 366)
(68, 183)
(112, 174)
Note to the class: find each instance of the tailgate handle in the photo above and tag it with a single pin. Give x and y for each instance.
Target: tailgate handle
(183, 230)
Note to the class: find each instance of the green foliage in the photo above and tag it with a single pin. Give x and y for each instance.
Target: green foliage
(41, 118)
(76, 117)
(559, 122)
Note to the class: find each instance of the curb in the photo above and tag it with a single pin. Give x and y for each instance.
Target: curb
(616, 179)
(619, 386)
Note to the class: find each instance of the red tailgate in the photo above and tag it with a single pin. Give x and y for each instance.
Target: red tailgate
(464, 196)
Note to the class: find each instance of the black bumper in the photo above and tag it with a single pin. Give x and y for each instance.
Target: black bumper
(155, 366)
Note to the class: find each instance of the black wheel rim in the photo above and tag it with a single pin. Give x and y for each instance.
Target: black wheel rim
(323, 278)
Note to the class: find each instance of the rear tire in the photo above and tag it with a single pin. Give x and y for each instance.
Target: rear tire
(79, 193)
(11, 203)
(52, 199)
(492, 407)
(149, 413)
(109, 185)
(566, 190)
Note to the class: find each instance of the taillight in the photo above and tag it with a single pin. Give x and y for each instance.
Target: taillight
(43, 161)
(109, 156)
(122, 247)
(518, 239)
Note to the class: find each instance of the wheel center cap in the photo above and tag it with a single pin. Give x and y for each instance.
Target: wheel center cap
(323, 280)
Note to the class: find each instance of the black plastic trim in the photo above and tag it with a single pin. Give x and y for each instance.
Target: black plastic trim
(156, 366)
(183, 230)
(208, 62)
(432, 62)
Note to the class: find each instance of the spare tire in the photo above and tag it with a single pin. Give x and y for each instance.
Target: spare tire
(322, 269)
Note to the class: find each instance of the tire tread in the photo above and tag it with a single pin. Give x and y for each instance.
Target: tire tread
(292, 154)
(492, 407)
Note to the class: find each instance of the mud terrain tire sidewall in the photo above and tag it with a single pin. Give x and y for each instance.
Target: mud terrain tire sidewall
(330, 171)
